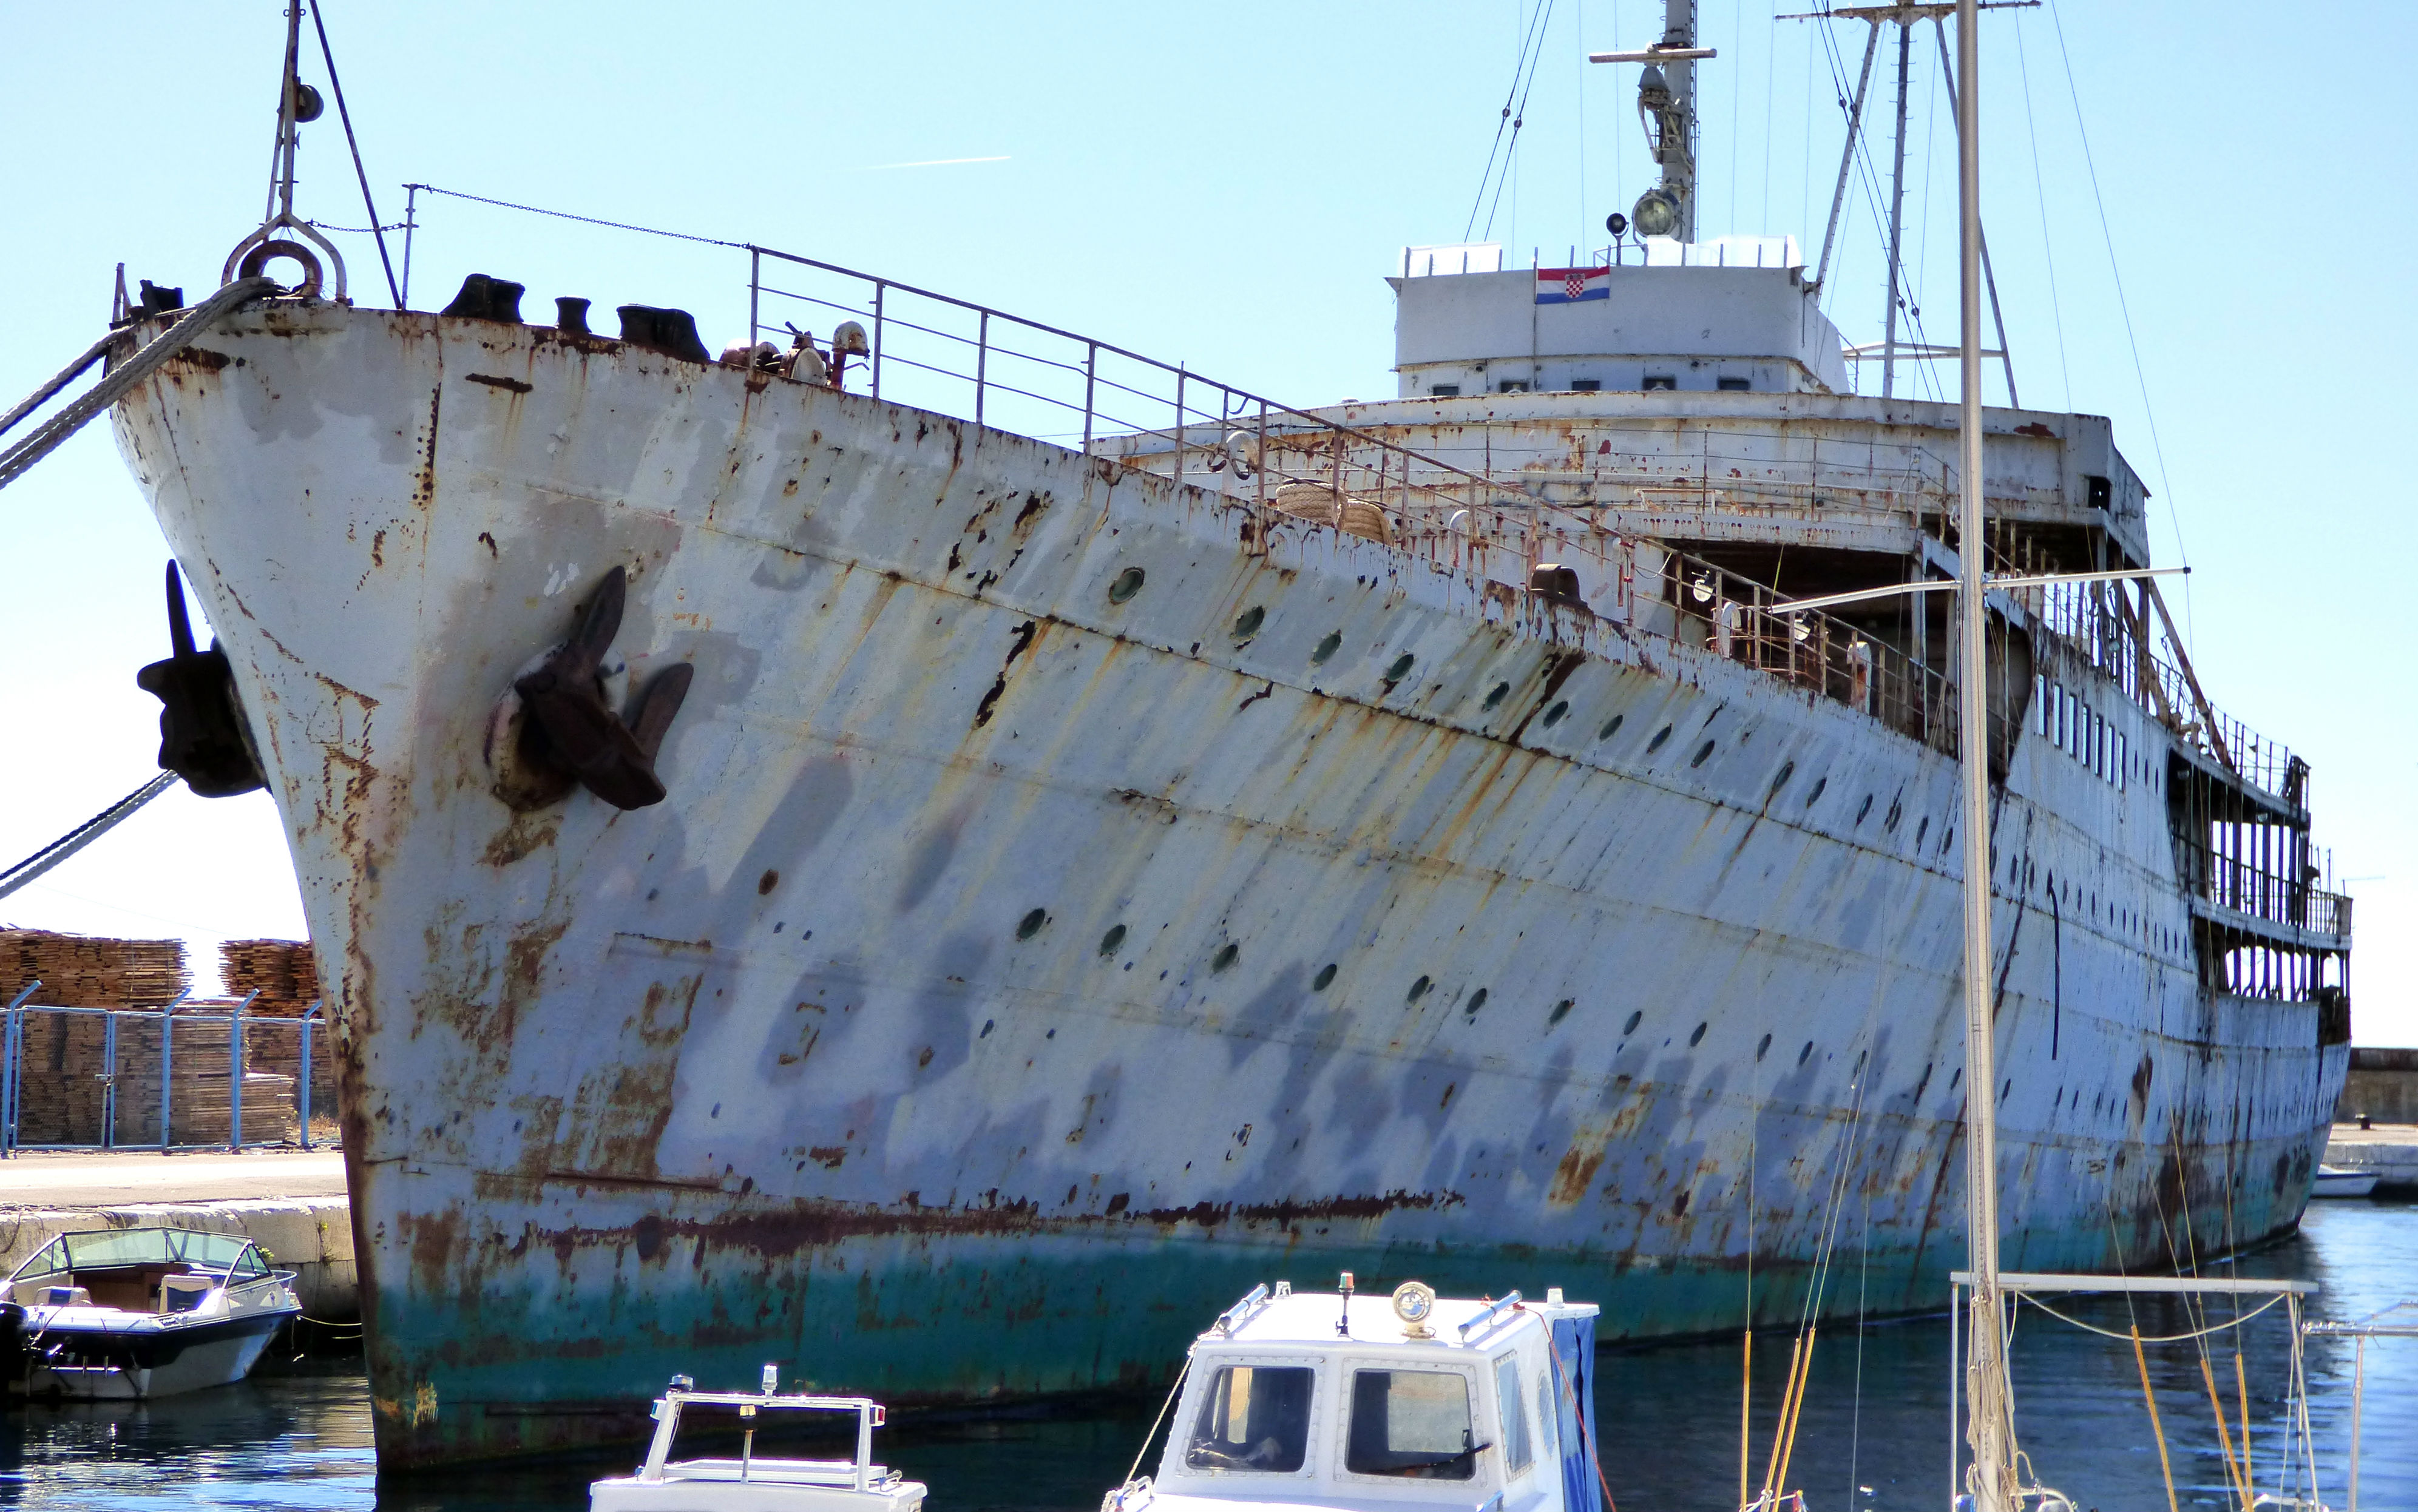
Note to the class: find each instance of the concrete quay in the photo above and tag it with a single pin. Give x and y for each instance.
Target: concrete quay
(2389, 1150)
(291, 1203)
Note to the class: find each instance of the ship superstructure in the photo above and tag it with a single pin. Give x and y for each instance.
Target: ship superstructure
(1089, 878)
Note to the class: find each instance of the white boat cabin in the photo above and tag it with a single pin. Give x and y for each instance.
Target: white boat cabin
(1331, 1399)
(752, 1482)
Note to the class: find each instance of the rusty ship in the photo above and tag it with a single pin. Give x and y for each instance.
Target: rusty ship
(937, 893)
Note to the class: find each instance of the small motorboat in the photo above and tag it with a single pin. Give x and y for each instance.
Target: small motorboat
(748, 1483)
(2340, 1181)
(128, 1314)
(1330, 1401)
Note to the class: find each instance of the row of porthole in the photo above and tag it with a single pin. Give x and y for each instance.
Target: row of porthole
(1247, 625)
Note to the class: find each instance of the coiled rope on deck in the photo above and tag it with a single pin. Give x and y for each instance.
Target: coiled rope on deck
(45, 437)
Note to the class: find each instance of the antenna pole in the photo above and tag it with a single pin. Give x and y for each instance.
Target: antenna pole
(1679, 158)
(1989, 1430)
(1989, 275)
(1897, 218)
(1847, 154)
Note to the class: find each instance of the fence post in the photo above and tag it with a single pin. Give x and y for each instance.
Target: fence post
(982, 361)
(878, 288)
(12, 1055)
(235, 1072)
(303, 1094)
(755, 295)
(109, 1082)
(1179, 425)
(167, 1048)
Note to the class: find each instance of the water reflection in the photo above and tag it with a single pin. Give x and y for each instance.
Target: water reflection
(1873, 1433)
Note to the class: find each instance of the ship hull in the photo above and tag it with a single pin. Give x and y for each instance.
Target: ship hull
(960, 1028)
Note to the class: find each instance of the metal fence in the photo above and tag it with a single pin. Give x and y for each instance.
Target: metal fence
(173, 1078)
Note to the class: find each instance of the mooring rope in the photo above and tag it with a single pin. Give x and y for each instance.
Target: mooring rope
(45, 437)
(83, 834)
(2153, 1338)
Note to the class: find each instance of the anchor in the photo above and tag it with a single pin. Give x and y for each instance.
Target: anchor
(203, 737)
(568, 727)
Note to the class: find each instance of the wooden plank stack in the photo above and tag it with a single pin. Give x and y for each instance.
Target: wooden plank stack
(77, 970)
(285, 973)
(67, 1071)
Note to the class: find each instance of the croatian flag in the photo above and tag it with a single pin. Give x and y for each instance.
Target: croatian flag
(1569, 285)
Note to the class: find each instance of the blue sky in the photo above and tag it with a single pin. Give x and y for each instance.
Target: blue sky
(1227, 187)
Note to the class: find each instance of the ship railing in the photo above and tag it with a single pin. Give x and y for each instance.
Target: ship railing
(2245, 886)
(173, 1078)
(939, 352)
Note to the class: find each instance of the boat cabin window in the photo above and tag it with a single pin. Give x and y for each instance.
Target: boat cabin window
(1587, 386)
(1517, 1456)
(1255, 1417)
(1413, 1424)
(1511, 385)
(1445, 390)
(1660, 380)
(1734, 385)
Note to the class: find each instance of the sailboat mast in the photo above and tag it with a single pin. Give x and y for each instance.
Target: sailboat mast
(1897, 217)
(1992, 1480)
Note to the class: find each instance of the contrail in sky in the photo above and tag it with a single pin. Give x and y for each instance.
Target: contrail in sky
(932, 163)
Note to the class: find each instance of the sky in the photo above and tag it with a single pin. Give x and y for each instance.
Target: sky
(1228, 188)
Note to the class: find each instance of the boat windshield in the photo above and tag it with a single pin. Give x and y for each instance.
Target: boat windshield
(1412, 1424)
(1256, 1417)
(105, 1248)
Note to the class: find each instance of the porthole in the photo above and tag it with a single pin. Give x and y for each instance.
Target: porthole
(1031, 924)
(1805, 1054)
(1420, 989)
(1780, 779)
(1110, 942)
(1226, 955)
(1864, 808)
(1553, 715)
(1325, 648)
(1502, 691)
(1660, 736)
(1919, 831)
(1248, 623)
(1476, 1000)
(1819, 782)
(1897, 811)
(1762, 1046)
(1325, 979)
(1702, 752)
(1128, 583)
(1631, 1028)
(1561, 1011)
(1611, 728)
(1402, 667)
(1698, 1037)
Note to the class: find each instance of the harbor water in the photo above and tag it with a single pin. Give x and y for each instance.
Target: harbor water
(1873, 1433)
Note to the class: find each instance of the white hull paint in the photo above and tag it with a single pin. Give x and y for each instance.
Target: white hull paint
(790, 1061)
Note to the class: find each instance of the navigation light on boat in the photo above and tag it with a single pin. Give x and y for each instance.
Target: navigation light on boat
(1656, 213)
(772, 1379)
(1412, 1302)
(1617, 224)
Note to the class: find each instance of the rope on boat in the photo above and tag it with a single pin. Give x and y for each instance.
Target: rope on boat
(2165, 1466)
(2153, 1338)
(83, 834)
(45, 437)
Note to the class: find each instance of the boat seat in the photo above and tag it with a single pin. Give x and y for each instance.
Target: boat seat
(183, 1294)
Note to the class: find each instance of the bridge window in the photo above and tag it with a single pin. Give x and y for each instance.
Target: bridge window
(1585, 386)
(1655, 381)
(1445, 390)
(1734, 385)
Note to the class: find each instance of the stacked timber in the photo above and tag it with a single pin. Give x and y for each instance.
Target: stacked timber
(78, 971)
(286, 975)
(89, 1077)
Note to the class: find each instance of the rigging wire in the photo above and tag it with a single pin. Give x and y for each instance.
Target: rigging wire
(345, 115)
(1531, 51)
(2040, 198)
(2140, 377)
(1511, 150)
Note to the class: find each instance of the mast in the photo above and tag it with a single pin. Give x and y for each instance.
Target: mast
(1991, 1477)
(1666, 106)
(1897, 219)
